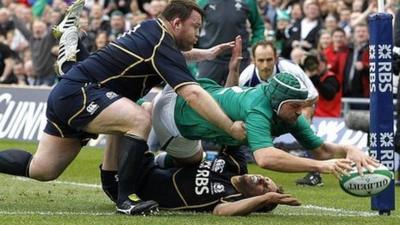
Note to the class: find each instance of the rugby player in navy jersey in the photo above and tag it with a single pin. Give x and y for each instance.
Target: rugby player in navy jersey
(221, 186)
(97, 96)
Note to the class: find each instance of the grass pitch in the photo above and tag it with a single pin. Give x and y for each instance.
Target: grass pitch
(76, 198)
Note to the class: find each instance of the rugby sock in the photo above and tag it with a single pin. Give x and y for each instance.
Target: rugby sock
(83, 52)
(129, 164)
(67, 65)
(109, 183)
(15, 162)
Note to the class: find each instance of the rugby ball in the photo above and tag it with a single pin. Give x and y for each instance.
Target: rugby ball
(367, 185)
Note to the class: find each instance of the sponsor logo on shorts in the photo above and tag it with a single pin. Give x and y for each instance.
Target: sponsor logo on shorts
(110, 95)
(92, 107)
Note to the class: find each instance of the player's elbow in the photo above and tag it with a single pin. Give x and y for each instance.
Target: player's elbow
(192, 93)
(263, 163)
(225, 209)
(264, 159)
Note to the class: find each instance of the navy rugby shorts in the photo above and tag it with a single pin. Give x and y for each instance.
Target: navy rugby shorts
(72, 105)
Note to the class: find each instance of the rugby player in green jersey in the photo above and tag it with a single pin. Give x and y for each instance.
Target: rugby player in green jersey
(268, 111)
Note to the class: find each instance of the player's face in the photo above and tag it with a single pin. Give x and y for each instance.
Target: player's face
(264, 59)
(254, 184)
(290, 111)
(187, 32)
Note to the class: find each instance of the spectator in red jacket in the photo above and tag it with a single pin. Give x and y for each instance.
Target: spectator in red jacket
(336, 56)
(356, 79)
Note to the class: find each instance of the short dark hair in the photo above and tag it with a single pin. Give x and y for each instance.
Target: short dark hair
(263, 43)
(181, 9)
(338, 29)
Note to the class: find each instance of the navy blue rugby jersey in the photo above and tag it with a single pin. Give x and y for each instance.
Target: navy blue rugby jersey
(199, 187)
(135, 62)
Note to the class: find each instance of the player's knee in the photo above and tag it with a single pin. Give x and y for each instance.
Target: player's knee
(198, 157)
(40, 172)
(140, 121)
(44, 176)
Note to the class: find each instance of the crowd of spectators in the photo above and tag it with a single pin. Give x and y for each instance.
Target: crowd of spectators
(336, 30)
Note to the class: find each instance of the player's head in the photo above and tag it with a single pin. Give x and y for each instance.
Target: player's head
(264, 57)
(251, 185)
(185, 18)
(254, 184)
(288, 95)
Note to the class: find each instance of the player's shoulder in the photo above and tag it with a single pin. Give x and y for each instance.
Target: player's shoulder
(246, 74)
(207, 82)
(260, 100)
(289, 66)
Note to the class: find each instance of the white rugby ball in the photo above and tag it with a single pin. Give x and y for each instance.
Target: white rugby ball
(367, 185)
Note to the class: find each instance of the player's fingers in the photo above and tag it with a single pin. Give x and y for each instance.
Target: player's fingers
(228, 44)
(336, 174)
(290, 201)
(340, 171)
(345, 164)
(359, 169)
(369, 165)
(283, 196)
(373, 161)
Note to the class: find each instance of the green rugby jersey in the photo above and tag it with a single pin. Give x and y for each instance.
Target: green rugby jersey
(250, 105)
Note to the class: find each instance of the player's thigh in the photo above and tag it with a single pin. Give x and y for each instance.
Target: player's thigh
(163, 116)
(53, 155)
(184, 151)
(122, 116)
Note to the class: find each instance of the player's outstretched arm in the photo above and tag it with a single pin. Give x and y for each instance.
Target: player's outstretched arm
(197, 55)
(329, 150)
(248, 205)
(279, 160)
(234, 64)
(208, 108)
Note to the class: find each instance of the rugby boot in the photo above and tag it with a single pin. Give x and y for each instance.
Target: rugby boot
(71, 18)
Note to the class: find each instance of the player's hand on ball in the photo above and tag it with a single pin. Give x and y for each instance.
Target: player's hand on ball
(238, 130)
(284, 199)
(337, 167)
(361, 159)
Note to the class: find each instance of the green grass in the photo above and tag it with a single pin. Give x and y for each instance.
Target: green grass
(24, 201)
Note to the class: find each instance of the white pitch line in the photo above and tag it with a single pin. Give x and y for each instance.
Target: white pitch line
(48, 213)
(322, 208)
(61, 182)
(328, 211)
(325, 211)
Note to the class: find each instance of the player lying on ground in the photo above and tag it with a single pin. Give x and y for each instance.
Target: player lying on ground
(220, 186)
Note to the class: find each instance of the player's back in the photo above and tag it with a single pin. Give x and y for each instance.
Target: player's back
(126, 65)
(236, 103)
(197, 187)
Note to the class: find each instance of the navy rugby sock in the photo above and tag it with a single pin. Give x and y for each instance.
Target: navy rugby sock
(83, 52)
(15, 162)
(109, 183)
(129, 164)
